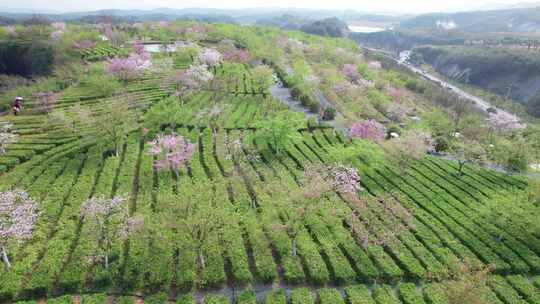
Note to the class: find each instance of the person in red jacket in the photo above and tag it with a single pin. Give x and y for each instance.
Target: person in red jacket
(16, 106)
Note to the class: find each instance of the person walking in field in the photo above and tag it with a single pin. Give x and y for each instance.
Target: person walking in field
(16, 106)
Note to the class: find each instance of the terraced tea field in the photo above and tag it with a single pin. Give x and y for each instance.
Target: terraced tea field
(62, 173)
(252, 244)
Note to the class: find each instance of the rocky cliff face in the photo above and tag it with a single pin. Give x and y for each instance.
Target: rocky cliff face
(510, 77)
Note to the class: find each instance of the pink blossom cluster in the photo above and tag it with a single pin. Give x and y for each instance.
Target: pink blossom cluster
(164, 23)
(106, 29)
(138, 47)
(368, 129)
(100, 207)
(351, 72)
(11, 30)
(345, 179)
(236, 55)
(56, 35)
(209, 57)
(331, 178)
(191, 79)
(195, 30)
(59, 29)
(130, 67)
(171, 151)
(59, 26)
(83, 44)
(6, 137)
(130, 226)
(18, 215)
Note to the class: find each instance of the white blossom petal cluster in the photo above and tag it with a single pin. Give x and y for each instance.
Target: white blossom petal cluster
(18, 215)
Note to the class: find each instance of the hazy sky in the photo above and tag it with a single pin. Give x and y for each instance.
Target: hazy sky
(405, 6)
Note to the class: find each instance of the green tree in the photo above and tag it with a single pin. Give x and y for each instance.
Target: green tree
(514, 210)
(405, 150)
(101, 84)
(196, 219)
(279, 131)
(115, 122)
(468, 152)
(512, 154)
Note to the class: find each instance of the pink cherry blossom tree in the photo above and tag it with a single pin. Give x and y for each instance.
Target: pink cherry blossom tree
(56, 35)
(171, 152)
(18, 215)
(59, 26)
(195, 77)
(129, 68)
(11, 30)
(236, 55)
(132, 225)
(410, 147)
(351, 72)
(83, 45)
(368, 130)
(6, 137)
(321, 179)
(210, 57)
(138, 47)
(108, 219)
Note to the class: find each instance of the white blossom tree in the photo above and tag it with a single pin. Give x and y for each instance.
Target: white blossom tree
(18, 215)
(6, 137)
(109, 220)
(210, 57)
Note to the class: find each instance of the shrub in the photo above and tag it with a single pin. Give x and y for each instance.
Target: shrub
(329, 113)
(101, 84)
(415, 86)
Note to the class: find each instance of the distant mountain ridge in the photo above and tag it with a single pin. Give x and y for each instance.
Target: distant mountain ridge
(520, 20)
(249, 15)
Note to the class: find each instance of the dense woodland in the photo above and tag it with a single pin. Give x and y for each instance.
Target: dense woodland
(180, 176)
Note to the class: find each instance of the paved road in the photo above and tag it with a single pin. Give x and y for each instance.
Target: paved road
(501, 118)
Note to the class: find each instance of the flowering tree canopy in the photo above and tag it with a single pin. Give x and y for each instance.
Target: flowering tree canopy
(18, 215)
(199, 73)
(210, 57)
(351, 72)
(130, 226)
(236, 55)
(11, 30)
(56, 35)
(59, 29)
(410, 147)
(6, 137)
(138, 47)
(171, 151)
(331, 178)
(191, 79)
(109, 219)
(59, 26)
(368, 130)
(130, 67)
(468, 151)
(83, 44)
